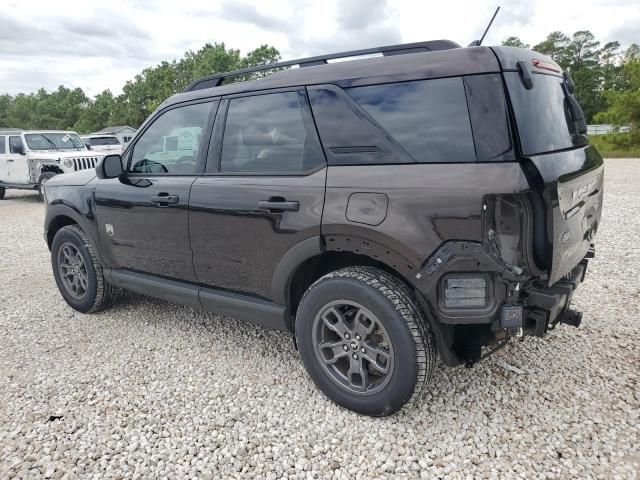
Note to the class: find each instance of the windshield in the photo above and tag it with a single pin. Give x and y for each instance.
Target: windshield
(54, 141)
(96, 141)
(542, 114)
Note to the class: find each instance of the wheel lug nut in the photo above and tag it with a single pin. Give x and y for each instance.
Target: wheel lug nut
(355, 356)
(363, 350)
(358, 337)
(345, 348)
(347, 336)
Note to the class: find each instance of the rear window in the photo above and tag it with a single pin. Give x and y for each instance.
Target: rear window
(542, 113)
(428, 118)
(97, 141)
(3, 141)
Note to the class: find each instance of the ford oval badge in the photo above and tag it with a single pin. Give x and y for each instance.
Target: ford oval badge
(564, 238)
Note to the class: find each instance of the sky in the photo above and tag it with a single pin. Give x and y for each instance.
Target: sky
(97, 45)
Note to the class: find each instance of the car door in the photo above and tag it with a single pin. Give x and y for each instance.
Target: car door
(4, 170)
(17, 165)
(143, 215)
(262, 192)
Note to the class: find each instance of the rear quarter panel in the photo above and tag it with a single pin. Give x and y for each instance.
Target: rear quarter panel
(428, 204)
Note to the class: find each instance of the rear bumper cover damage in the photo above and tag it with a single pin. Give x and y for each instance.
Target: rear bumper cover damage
(523, 305)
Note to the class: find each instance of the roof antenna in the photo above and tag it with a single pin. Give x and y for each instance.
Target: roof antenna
(477, 43)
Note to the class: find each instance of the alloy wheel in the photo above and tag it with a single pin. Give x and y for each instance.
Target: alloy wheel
(72, 269)
(353, 347)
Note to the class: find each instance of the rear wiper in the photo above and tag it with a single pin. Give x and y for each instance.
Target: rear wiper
(49, 140)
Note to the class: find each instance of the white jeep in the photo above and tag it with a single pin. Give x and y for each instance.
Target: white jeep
(28, 158)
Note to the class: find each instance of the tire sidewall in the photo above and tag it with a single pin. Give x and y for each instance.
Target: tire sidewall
(404, 376)
(42, 180)
(68, 235)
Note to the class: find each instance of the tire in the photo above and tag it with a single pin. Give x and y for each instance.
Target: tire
(401, 343)
(41, 181)
(94, 293)
(2, 192)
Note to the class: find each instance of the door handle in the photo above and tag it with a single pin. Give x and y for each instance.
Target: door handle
(278, 205)
(164, 199)
(10, 160)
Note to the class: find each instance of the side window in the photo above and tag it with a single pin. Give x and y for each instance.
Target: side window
(270, 133)
(15, 144)
(428, 118)
(171, 143)
(489, 117)
(3, 141)
(349, 136)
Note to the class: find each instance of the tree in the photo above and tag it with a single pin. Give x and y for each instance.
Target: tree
(624, 105)
(6, 103)
(514, 42)
(97, 114)
(555, 46)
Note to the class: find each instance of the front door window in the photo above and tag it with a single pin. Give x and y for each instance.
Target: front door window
(171, 144)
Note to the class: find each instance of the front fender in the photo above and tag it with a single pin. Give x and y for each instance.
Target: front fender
(70, 203)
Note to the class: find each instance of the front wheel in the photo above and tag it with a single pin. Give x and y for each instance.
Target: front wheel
(2, 192)
(78, 272)
(44, 177)
(364, 341)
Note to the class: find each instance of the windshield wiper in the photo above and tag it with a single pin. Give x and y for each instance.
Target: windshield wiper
(49, 140)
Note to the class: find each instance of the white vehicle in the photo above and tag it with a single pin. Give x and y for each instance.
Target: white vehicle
(108, 144)
(28, 158)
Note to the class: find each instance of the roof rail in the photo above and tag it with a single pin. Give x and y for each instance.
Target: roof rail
(387, 51)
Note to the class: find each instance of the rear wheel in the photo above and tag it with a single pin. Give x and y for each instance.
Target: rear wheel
(78, 273)
(364, 341)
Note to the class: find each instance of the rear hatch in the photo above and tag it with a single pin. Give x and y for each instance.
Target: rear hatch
(566, 171)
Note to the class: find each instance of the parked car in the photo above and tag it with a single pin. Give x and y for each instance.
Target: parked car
(103, 143)
(436, 199)
(29, 158)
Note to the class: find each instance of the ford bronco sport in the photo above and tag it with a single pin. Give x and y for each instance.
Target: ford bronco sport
(30, 158)
(432, 200)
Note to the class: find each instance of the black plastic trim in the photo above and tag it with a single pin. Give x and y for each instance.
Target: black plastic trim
(289, 263)
(242, 307)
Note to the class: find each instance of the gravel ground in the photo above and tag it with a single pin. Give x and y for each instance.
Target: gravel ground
(150, 389)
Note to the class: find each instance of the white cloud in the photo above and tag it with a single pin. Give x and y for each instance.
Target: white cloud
(100, 45)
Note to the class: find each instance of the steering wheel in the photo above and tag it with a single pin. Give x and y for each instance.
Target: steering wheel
(145, 166)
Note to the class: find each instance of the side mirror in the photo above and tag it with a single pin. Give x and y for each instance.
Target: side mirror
(109, 167)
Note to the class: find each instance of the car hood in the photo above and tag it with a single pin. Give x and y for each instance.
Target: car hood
(75, 179)
(56, 154)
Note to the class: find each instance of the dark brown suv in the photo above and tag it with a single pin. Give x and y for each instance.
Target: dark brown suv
(434, 199)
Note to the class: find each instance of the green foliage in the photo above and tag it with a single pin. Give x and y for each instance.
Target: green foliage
(514, 42)
(70, 109)
(621, 145)
(623, 106)
(607, 86)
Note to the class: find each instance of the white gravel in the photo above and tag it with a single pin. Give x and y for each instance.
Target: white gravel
(150, 389)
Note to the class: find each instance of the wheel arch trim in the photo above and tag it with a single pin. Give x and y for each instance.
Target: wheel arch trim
(56, 211)
(288, 265)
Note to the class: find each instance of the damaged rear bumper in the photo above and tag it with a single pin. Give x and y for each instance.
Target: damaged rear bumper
(544, 307)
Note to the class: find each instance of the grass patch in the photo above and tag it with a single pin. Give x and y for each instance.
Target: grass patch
(617, 145)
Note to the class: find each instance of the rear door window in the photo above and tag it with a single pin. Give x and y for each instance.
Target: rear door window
(3, 141)
(542, 113)
(270, 133)
(428, 118)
